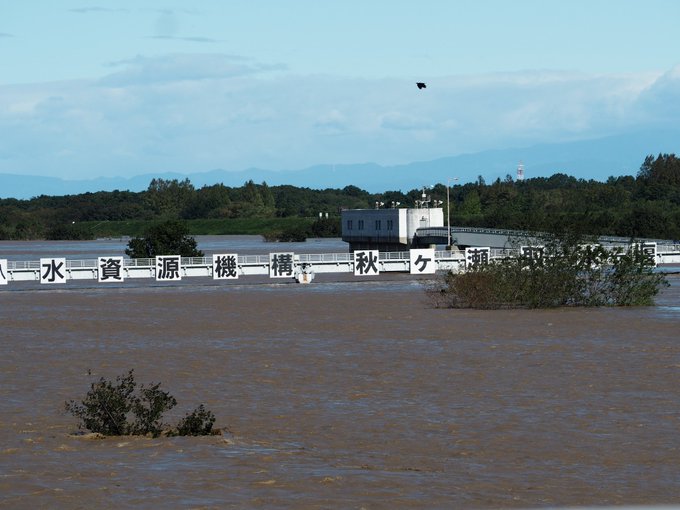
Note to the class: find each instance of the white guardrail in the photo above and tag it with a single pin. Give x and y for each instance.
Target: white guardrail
(301, 267)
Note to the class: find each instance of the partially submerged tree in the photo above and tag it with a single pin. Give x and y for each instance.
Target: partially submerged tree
(168, 238)
(116, 409)
(572, 273)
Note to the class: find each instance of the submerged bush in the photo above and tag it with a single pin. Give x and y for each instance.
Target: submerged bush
(115, 408)
(167, 238)
(197, 423)
(571, 273)
(294, 234)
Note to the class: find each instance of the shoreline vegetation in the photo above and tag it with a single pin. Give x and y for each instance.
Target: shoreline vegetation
(643, 206)
(573, 272)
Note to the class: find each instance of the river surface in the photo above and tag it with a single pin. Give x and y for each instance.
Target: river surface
(245, 245)
(338, 394)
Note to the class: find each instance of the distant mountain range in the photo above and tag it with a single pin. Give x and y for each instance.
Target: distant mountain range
(591, 159)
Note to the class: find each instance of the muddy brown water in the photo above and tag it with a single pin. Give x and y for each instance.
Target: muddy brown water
(342, 395)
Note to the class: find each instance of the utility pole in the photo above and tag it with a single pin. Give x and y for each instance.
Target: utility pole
(448, 212)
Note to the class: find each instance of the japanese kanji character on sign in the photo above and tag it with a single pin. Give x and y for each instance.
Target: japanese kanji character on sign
(53, 270)
(225, 266)
(649, 249)
(477, 256)
(366, 263)
(281, 265)
(168, 267)
(532, 255)
(4, 274)
(110, 269)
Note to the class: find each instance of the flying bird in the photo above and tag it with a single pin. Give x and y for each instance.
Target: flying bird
(421, 85)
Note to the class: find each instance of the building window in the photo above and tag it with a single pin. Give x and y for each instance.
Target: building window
(349, 224)
(361, 224)
(377, 224)
(390, 224)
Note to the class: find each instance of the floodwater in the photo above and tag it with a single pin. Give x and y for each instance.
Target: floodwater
(246, 245)
(353, 394)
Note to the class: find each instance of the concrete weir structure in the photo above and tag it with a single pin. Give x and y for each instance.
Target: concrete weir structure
(391, 229)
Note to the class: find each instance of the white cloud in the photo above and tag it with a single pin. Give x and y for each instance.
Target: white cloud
(167, 24)
(95, 9)
(661, 100)
(143, 70)
(406, 122)
(199, 112)
(332, 122)
(186, 39)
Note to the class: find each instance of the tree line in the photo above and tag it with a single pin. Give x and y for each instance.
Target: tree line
(645, 205)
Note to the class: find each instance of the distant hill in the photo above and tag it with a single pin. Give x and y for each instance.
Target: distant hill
(591, 159)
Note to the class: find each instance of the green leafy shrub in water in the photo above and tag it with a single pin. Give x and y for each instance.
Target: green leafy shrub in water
(116, 408)
(167, 238)
(571, 273)
(197, 423)
(148, 408)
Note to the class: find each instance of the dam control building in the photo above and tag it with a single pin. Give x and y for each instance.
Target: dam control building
(391, 229)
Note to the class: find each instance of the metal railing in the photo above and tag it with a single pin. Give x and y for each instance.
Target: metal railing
(260, 264)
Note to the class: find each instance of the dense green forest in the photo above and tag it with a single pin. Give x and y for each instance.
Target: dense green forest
(645, 205)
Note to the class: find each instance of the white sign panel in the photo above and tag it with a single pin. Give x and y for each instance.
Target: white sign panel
(422, 261)
(168, 267)
(531, 256)
(477, 256)
(536, 253)
(4, 275)
(110, 269)
(366, 262)
(649, 249)
(225, 266)
(281, 265)
(53, 270)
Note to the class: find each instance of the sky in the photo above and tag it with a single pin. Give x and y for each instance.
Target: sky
(122, 88)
